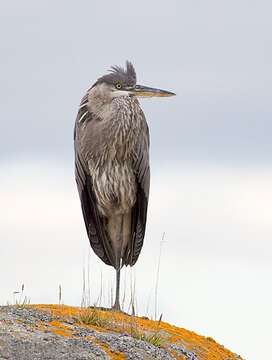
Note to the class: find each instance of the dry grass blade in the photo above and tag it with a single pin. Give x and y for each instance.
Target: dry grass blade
(157, 276)
(60, 294)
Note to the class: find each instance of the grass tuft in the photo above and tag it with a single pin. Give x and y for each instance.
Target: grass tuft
(19, 298)
(154, 339)
(91, 316)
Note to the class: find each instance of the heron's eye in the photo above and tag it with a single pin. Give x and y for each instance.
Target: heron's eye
(118, 85)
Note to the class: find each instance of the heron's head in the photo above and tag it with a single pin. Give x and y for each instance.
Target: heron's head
(122, 82)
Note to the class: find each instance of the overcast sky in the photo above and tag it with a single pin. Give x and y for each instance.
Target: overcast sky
(210, 152)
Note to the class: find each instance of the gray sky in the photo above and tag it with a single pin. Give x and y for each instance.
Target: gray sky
(216, 55)
(210, 150)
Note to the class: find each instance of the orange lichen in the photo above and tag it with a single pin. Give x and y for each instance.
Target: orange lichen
(59, 329)
(120, 322)
(59, 310)
(113, 355)
(176, 356)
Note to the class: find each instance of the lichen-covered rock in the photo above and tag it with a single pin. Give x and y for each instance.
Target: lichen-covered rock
(44, 332)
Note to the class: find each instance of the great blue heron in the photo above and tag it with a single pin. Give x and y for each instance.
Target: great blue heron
(112, 166)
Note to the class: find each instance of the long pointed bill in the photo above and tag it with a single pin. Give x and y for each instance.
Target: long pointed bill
(145, 91)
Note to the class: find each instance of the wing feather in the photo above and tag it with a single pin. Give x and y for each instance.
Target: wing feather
(93, 222)
(139, 211)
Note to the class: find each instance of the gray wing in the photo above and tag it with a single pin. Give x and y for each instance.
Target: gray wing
(93, 221)
(139, 211)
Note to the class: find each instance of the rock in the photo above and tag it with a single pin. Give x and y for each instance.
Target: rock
(45, 332)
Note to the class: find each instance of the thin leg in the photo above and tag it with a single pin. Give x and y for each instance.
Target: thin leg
(116, 305)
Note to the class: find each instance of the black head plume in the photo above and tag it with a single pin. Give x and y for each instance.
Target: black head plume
(126, 77)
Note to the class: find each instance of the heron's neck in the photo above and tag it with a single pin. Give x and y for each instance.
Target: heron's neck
(124, 127)
(99, 103)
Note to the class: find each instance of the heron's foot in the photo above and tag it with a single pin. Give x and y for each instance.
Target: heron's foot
(116, 306)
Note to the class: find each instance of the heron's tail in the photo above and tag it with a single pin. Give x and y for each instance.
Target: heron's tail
(119, 233)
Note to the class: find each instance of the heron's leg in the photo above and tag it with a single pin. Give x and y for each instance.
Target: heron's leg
(116, 305)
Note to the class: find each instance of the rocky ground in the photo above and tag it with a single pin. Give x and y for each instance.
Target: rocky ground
(46, 332)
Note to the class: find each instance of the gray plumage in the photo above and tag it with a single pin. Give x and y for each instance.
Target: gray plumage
(112, 171)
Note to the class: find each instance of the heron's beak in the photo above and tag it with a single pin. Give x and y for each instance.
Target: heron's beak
(145, 91)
